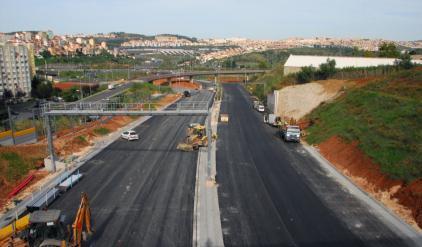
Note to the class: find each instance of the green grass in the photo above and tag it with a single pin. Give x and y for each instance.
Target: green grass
(81, 139)
(101, 131)
(384, 117)
(17, 166)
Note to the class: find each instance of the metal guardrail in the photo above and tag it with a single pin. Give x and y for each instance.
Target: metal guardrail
(41, 196)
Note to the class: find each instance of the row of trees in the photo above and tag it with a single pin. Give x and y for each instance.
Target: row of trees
(324, 71)
(328, 69)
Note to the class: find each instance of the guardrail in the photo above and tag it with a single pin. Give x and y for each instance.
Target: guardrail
(43, 196)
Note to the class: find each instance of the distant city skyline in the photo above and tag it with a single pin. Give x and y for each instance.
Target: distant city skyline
(264, 19)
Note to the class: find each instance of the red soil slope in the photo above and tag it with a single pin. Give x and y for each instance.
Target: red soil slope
(404, 199)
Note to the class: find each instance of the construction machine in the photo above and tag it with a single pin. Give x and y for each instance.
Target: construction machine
(42, 228)
(196, 137)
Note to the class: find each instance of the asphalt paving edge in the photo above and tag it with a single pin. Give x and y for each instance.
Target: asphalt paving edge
(393, 221)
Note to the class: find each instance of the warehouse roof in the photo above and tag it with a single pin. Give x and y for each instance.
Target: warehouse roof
(341, 62)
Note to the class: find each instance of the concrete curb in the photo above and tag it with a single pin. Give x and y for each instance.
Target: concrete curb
(207, 229)
(393, 221)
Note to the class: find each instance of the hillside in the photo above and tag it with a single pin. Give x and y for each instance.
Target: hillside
(373, 134)
(385, 117)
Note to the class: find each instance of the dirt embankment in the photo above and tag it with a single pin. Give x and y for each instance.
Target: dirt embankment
(297, 101)
(404, 199)
(185, 84)
(30, 158)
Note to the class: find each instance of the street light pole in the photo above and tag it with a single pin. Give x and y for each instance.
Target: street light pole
(45, 68)
(11, 125)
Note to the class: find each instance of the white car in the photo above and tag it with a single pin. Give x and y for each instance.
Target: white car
(130, 135)
(261, 108)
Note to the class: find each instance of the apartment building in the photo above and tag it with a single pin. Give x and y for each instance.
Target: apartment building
(15, 69)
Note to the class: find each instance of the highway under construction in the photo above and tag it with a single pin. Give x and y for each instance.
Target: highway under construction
(263, 192)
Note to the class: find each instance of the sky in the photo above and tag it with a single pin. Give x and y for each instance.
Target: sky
(255, 19)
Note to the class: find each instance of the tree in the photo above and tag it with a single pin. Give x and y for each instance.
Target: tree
(306, 74)
(263, 64)
(230, 63)
(405, 61)
(44, 90)
(71, 95)
(41, 89)
(326, 69)
(35, 82)
(388, 49)
(45, 54)
(7, 93)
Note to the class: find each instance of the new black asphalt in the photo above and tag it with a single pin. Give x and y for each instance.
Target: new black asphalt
(141, 192)
(272, 194)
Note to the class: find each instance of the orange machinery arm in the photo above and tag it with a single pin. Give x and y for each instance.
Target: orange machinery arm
(83, 215)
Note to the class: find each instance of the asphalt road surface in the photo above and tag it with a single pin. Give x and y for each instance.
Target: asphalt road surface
(270, 194)
(141, 192)
(107, 93)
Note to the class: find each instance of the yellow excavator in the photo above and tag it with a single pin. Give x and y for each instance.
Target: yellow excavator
(196, 137)
(43, 228)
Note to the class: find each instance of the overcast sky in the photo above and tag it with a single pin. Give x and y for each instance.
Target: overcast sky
(257, 19)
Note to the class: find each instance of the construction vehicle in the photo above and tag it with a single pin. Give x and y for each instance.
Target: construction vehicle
(186, 94)
(272, 120)
(224, 118)
(43, 228)
(196, 137)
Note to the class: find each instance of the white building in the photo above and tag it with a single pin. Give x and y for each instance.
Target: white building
(15, 68)
(296, 62)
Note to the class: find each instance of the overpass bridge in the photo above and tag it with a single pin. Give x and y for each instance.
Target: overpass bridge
(214, 73)
(163, 74)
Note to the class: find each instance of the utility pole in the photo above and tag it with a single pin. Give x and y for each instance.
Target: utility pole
(11, 125)
(33, 123)
(50, 144)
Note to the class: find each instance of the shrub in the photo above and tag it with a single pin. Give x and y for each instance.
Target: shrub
(101, 131)
(306, 75)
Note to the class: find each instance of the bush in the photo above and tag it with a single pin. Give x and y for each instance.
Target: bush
(81, 139)
(405, 61)
(326, 70)
(306, 75)
(101, 131)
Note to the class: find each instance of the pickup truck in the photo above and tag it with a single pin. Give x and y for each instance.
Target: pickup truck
(290, 133)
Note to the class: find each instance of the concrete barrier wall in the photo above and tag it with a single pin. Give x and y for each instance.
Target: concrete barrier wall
(8, 134)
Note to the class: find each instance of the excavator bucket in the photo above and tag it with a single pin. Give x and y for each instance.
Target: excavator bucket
(82, 216)
(185, 147)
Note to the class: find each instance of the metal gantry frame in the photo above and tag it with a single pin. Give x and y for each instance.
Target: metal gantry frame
(193, 108)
